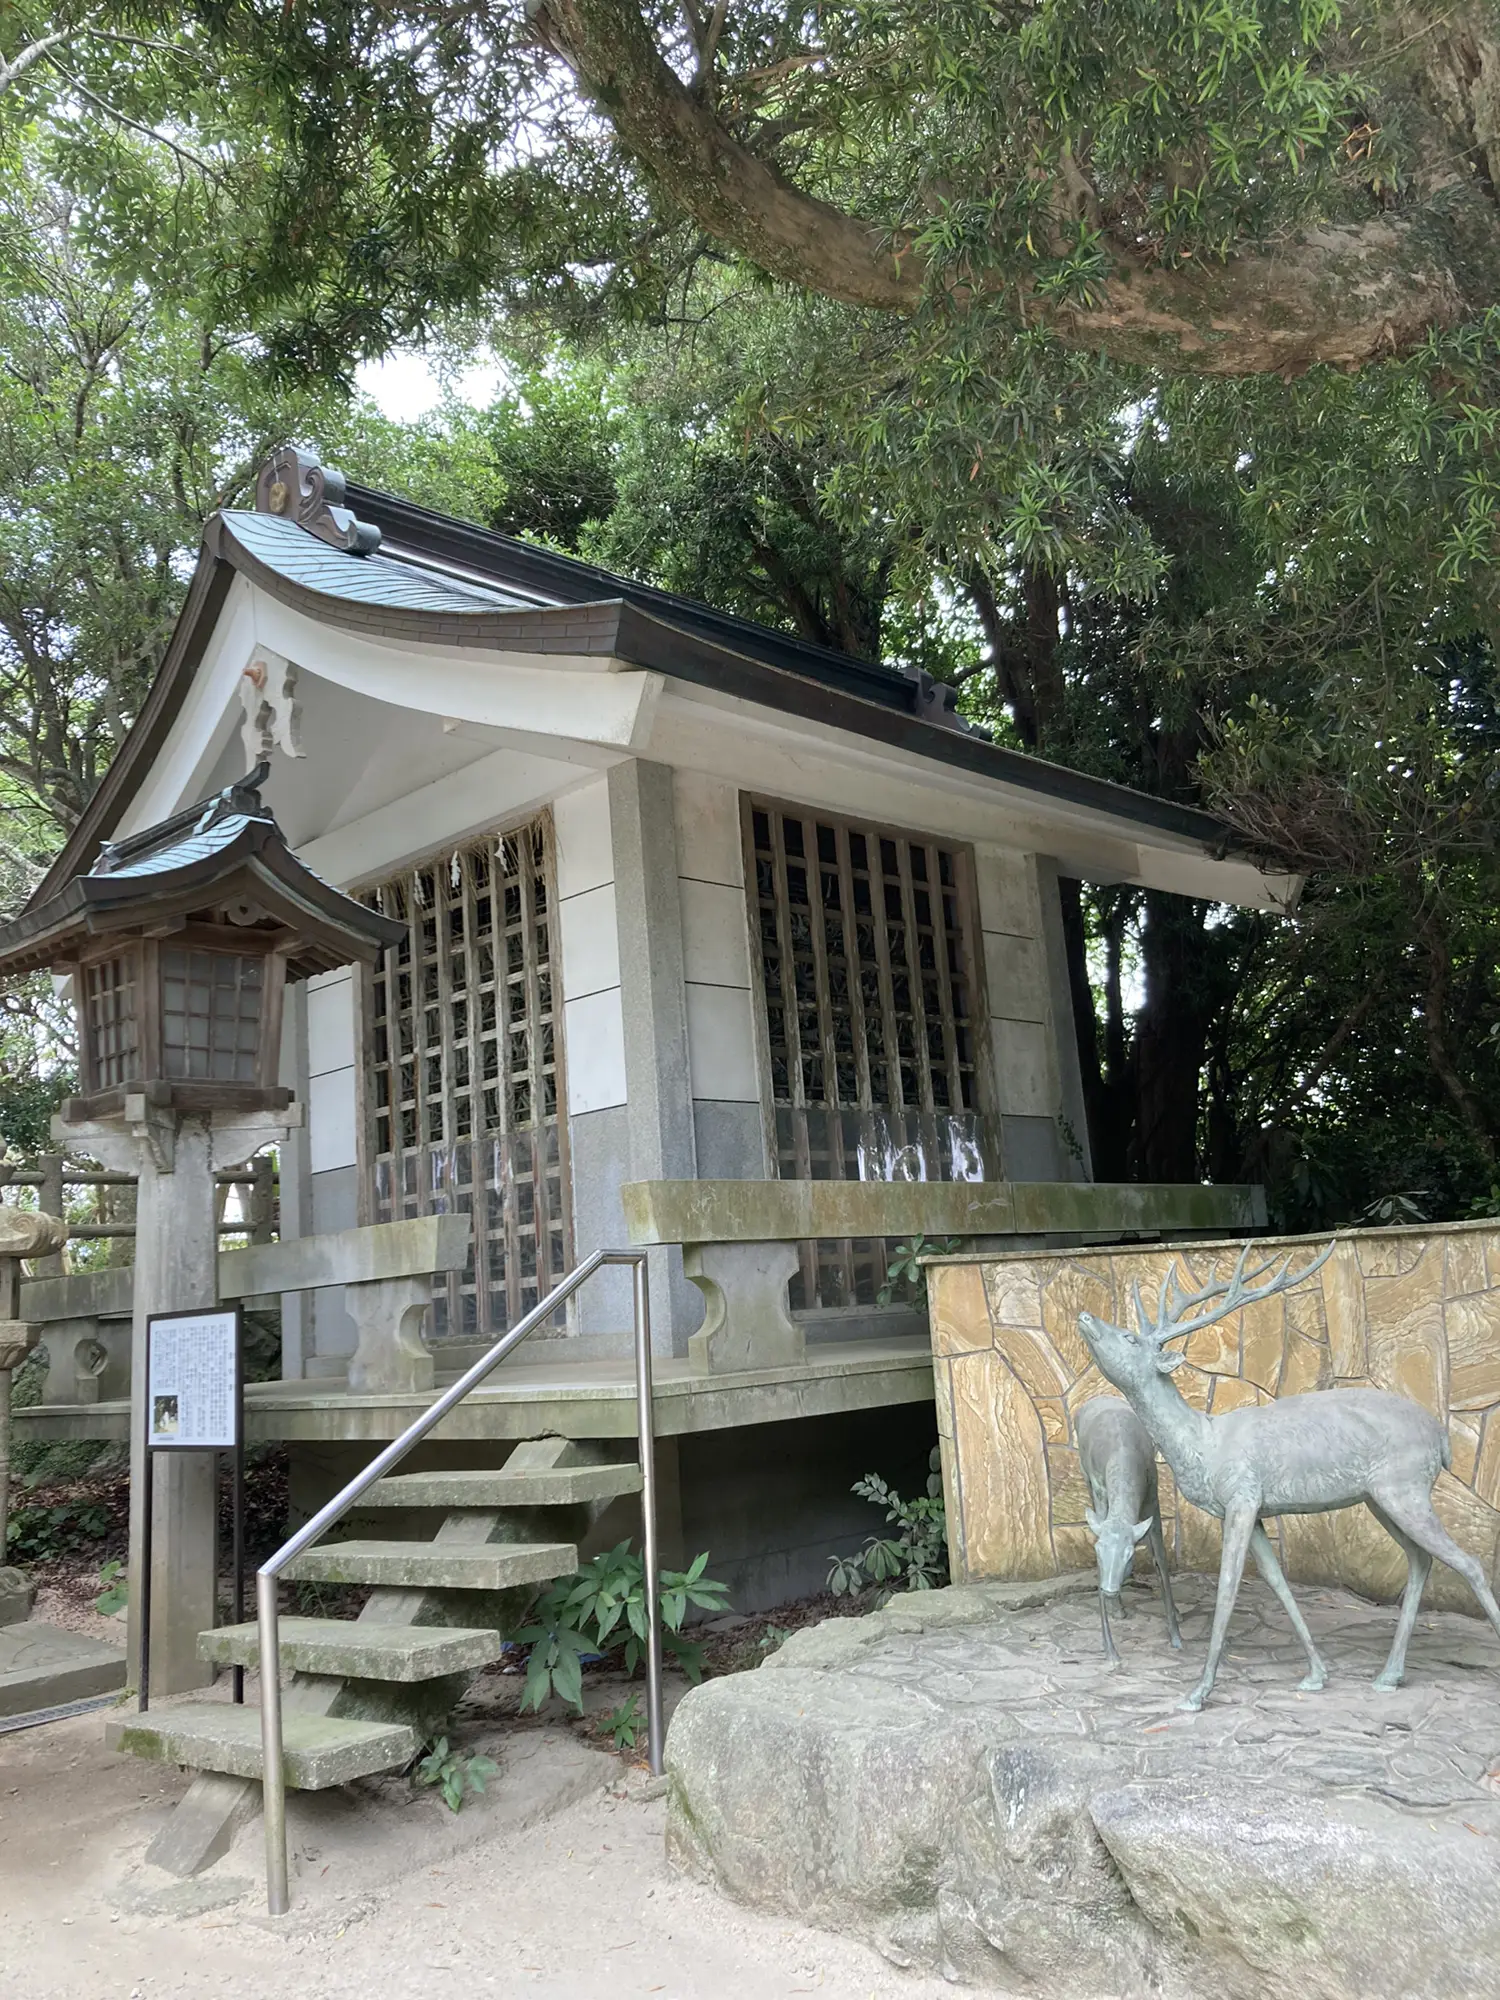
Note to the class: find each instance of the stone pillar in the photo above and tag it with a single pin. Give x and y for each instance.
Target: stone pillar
(658, 1083)
(22, 1234)
(174, 1156)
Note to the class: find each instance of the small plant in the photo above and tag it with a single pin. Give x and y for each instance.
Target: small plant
(114, 1592)
(1391, 1209)
(38, 1534)
(773, 1639)
(623, 1725)
(604, 1603)
(454, 1772)
(904, 1273)
(917, 1556)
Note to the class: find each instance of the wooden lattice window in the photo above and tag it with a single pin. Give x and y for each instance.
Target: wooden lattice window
(462, 1112)
(211, 1007)
(113, 1037)
(869, 1002)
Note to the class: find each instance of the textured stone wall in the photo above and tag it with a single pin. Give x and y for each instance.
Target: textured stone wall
(1415, 1310)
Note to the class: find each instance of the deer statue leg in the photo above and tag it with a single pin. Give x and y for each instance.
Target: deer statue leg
(1159, 1556)
(1413, 1514)
(1418, 1568)
(1111, 1650)
(1270, 1569)
(1238, 1527)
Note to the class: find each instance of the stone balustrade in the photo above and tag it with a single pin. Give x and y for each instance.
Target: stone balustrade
(1416, 1310)
(739, 1238)
(385, 1270)
(23, 1233)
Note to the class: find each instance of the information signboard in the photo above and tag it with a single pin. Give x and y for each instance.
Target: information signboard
(193, 1381)
(194, 1402)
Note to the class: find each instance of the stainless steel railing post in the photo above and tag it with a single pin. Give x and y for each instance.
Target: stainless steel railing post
(651, 1563)
(273, 1773)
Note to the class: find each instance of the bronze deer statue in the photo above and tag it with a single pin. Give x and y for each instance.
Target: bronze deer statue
(1299, 1455)
(1118, 1461)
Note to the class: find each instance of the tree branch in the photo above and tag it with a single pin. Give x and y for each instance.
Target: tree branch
(1344, 293)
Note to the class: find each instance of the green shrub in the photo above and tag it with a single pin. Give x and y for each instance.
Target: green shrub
(599, 1607)
(916, 1557)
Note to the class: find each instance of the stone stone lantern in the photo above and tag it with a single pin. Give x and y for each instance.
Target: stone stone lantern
(178, 942)
(22, 1234)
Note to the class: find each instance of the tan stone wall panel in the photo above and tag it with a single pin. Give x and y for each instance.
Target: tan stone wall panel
(1404, 1331)
(1089, 1384)
(1195, 1387)
(1230, 1393)
(1065, 1295)
(1464, 1268)
(1473, 1524)
(957, 1310)
(1484, 1464)
(1075, 1547)
(1006, 1502)
(1306, 1365)
(1070, 1492)
(1463, 1442)
(1199, 1541)
(1014, 1296)
(1263, 1340)
(1473, 1330)
(1217, 1347)
(1344, 1310)
(1387, 1254)
(1053, 1412)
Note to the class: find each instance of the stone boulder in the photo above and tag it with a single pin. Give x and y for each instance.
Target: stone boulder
(963, 1782)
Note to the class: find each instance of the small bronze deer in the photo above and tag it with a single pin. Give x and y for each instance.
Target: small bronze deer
(1298, 1455)
(1119, 1468)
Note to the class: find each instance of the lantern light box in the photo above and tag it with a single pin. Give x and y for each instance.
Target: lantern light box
(179, 941)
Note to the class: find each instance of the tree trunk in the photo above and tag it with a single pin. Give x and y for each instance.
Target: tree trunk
(1170, 1039)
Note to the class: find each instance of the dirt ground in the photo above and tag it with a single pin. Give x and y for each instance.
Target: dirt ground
(554, 1883)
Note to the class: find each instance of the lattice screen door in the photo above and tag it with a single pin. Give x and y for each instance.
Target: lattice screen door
(869, 1003)
(466, 1071)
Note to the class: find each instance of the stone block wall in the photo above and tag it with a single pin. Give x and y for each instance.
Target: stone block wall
(1414, 1310)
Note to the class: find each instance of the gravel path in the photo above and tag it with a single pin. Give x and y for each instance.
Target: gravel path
(553, 1884)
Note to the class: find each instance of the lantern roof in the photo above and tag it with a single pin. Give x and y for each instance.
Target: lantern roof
(224, 857)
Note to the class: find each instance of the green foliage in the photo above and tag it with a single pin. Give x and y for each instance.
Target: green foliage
(602, 1606)
(904, 1273)
(456, 1773)
(42, 1534)
(915, 1557)
(114, 1591)
(624, 1724)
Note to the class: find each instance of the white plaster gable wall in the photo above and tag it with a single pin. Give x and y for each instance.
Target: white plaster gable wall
(593, 1022)
(1023, 1031)
(331, 1075)
(715, 941)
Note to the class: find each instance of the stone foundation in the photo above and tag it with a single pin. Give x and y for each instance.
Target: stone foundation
(1415, 1310)
(962, 1781)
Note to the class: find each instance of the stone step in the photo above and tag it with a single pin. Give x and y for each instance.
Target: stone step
(319, 1750)
(566, 1486)
(434, 1565)
(362, 1649)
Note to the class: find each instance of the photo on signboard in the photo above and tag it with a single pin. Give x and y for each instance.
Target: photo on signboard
(165, 1416)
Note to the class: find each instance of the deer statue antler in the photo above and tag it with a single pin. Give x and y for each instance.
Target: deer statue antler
(1237, 1290)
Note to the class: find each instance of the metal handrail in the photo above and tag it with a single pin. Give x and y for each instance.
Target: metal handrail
(273, 1774)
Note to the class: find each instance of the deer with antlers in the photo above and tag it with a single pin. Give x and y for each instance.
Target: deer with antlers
(1299, 1455)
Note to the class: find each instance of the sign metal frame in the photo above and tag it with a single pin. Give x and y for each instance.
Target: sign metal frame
(231, 1446)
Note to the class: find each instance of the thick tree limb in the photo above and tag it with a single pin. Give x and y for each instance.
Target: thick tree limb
(1345, 293)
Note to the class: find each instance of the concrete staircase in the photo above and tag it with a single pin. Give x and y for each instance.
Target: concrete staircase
(366, 1692)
